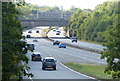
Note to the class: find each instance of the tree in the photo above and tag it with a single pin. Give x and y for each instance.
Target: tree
(101, 25)
(112, 53)
(12, 46)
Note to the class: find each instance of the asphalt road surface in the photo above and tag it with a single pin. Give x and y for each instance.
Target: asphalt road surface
(83, 44)
(62, 55)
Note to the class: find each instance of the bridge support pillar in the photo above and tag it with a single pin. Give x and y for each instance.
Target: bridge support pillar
(68, 31)
(50, 26)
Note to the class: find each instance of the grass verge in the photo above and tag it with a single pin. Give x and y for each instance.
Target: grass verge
(43, 33)
(96, 71)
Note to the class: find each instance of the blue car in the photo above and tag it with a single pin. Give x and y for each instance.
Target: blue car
(61, 45)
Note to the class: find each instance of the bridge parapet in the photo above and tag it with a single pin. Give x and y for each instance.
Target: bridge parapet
(47, 18)
(35, 23)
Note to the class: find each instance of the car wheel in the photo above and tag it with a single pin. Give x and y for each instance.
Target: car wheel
(41, 60)
(54, 68)
(43, 68)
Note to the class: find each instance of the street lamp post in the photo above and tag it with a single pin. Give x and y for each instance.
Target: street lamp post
(61, 12)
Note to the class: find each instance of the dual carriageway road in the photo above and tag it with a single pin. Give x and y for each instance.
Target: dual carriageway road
(62, 55)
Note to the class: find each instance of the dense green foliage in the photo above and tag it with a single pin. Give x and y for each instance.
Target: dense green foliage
(100, 25)
(41, 8)
(31, 9)
(93, 25)
(112, 53)
(12, 47)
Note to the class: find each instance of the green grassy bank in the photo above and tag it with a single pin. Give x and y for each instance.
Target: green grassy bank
(96, 71)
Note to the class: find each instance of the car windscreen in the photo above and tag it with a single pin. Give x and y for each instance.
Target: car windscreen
(56, 41)
(74, 38)
(49, 60)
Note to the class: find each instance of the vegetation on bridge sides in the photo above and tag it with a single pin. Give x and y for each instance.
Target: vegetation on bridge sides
(35, 12)
(45, 31)
(65, 29)
(101, 25)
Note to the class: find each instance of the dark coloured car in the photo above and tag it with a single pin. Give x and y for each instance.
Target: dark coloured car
(56, 42)
(36, 56)
(54, 29)
(74, 39)
(31, 46)
(28, 36)
(62, 45)
(29, 31)
(57, 33)
(35, 40)
(49, 62)
(37, 31)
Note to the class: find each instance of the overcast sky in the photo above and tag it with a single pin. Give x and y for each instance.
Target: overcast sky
(83, 4)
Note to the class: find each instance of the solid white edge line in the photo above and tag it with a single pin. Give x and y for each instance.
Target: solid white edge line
(68, 69)
(76, 71)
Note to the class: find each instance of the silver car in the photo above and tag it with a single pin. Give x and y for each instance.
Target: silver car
(49, 62)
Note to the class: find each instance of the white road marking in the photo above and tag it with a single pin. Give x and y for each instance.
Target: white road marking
(76, 71)
(69, 69)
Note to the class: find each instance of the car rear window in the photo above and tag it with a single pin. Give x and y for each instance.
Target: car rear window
(49, 60)
(37, 54)
(32, 45)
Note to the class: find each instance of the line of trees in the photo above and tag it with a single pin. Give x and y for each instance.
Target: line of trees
(13, 49)
(100, 25)
(31, 9)
(94, 25)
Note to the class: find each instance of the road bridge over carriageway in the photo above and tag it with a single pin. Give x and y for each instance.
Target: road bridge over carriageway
(45, 22)
(47, 18)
